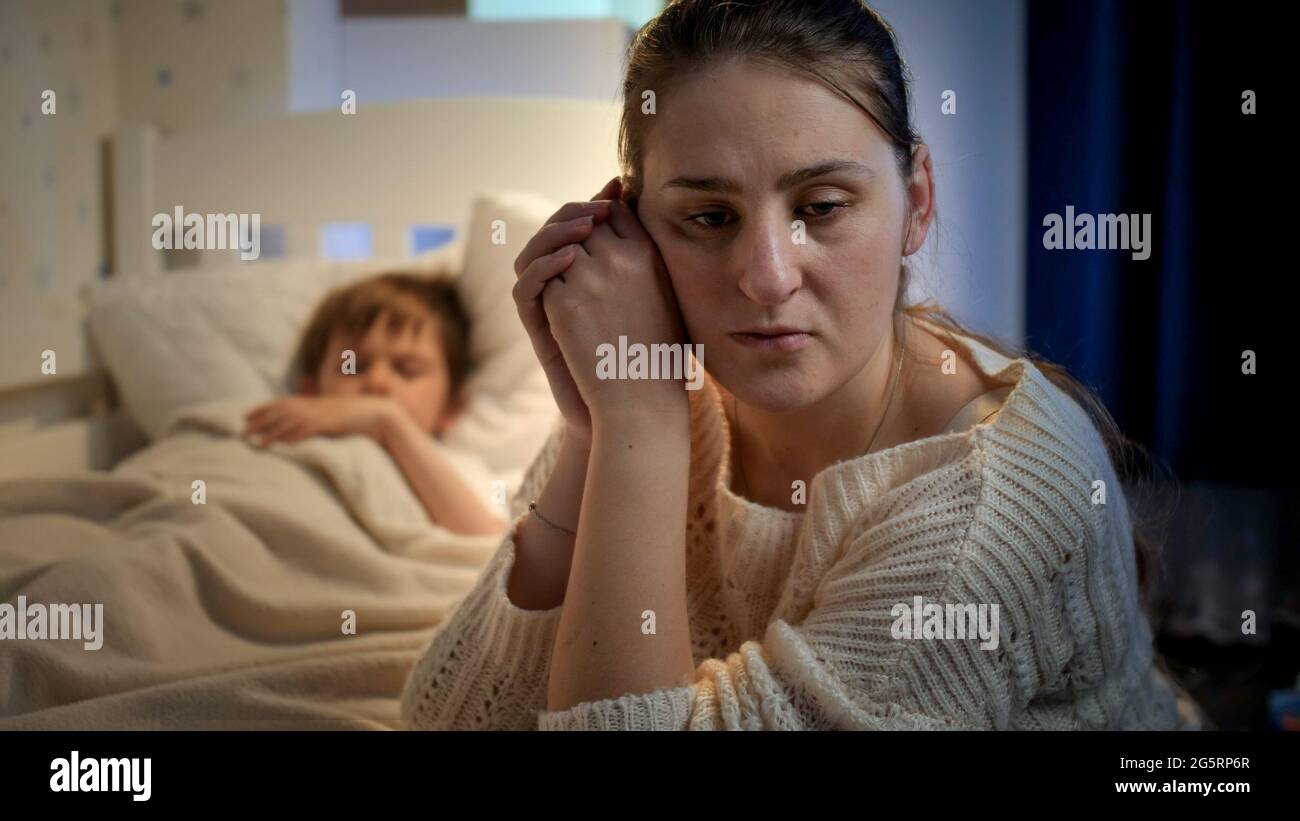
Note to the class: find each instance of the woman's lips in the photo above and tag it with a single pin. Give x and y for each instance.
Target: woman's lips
(773, 342)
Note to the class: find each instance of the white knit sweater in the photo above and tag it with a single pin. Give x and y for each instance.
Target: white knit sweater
(791, 614)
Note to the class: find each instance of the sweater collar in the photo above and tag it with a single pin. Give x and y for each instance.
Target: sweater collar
(836, 495)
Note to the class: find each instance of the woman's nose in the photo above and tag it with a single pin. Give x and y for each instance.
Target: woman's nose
(770, 273)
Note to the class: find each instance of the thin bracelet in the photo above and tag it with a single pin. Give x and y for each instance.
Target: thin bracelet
(532, 508)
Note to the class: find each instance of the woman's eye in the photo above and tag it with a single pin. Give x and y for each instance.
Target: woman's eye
(830, 208)
(696, 219)
(713, 220)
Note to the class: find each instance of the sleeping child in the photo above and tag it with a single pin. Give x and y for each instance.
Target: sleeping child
(387, 358)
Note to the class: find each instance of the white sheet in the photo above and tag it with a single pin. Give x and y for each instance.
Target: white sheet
(229, 613)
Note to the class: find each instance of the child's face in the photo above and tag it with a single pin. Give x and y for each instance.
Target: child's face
(409, 367)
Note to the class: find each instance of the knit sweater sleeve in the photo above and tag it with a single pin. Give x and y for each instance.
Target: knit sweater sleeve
(1062, 593)
(837, 667)
(487, 666)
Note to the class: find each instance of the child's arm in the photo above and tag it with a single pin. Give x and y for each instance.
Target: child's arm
(442, 493)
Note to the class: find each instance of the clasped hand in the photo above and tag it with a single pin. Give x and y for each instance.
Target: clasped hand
(589, 276)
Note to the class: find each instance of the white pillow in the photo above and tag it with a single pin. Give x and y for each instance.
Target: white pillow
(510, 410)
(197, 336)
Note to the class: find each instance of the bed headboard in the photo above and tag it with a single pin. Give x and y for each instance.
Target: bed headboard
(389, 167)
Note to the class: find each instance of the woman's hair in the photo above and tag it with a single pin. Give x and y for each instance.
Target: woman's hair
(404, 298)
(845, 45)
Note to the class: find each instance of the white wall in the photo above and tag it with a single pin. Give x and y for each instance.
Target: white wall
(396, 59)
(402, 58)
(186, 66)
(315, 45)
(51, 208)
(977, 267)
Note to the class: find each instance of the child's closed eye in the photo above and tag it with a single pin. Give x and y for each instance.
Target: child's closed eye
(411, 368)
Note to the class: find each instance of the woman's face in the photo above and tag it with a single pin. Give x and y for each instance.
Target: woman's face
(726, 174)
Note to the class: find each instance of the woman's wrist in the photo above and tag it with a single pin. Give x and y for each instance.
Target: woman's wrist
(560, 500)
(652, 424)
(577, 439)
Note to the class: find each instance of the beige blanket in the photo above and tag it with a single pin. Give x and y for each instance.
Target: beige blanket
(232, 613)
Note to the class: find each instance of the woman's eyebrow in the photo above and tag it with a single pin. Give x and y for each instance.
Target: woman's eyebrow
(722, 185)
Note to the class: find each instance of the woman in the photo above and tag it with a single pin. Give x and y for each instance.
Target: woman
(788, 547)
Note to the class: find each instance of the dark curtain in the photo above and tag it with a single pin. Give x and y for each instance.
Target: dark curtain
(1137, 108)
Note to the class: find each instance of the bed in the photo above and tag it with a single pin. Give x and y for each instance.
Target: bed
(293, 586)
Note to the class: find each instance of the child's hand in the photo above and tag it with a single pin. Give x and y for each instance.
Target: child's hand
(295, 418)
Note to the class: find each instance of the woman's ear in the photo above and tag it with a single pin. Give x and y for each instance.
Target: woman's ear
(919, 192)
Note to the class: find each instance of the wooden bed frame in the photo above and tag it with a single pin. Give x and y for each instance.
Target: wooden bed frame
(391, 166)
